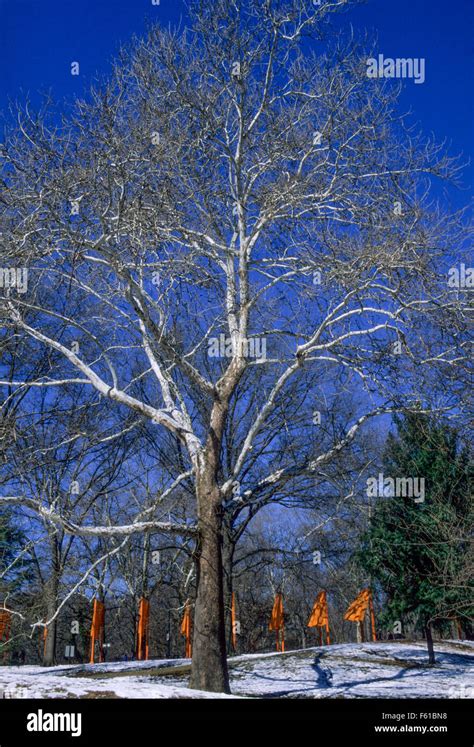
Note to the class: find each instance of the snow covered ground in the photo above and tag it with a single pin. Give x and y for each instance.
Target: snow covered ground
(368, 670)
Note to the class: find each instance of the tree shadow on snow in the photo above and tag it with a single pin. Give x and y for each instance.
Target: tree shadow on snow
(421, 670)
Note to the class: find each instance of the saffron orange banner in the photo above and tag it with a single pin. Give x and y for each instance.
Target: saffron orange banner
(143, 629)
(319, 616)
(97, 630)
(277, 622)
(357, 609)
(186, 629)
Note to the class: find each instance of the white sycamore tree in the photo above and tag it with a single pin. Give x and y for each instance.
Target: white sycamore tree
(237, 211)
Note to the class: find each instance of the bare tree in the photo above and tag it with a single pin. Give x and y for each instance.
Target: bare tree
(230, 213)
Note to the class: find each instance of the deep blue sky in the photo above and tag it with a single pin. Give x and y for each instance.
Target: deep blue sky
(40, 38)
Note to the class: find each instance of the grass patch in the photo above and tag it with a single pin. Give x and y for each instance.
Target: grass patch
(96, 695)
(182, 669)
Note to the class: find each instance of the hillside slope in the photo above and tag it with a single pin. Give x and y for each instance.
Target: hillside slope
(368, 670)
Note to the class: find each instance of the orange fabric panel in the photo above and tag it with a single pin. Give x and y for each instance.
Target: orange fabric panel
(143, 626)
(277, 622)
(98, 618)
(97, 630)
(319, 615)
(356, 611)
(186, 629)
(186, 621)
(277, 618)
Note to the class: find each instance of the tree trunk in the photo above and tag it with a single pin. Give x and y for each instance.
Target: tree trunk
(429, 643)
(51, 593)
(303, 638)
(209, 662)
(49, 649)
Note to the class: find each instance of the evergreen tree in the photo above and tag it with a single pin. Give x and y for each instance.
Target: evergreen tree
(12, 575)
(420, 552)
(12, 539)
